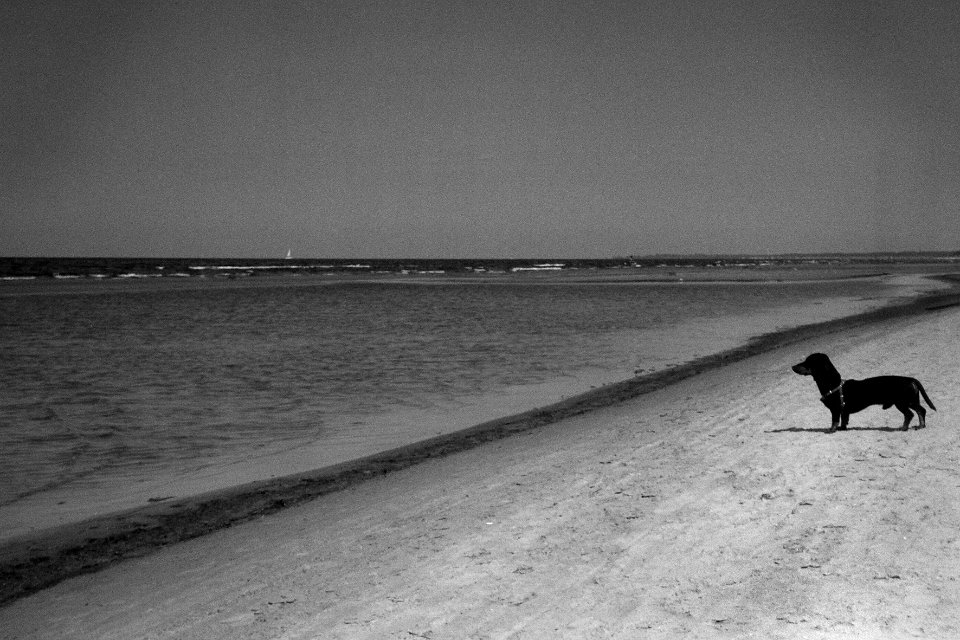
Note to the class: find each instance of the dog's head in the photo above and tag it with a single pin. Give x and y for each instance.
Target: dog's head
(814, 363)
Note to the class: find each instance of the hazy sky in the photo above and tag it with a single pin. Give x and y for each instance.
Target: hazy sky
(442, 128)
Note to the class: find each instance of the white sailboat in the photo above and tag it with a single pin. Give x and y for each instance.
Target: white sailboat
(289, 255)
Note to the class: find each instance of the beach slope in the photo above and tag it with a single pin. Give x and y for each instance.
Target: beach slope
(715, 507)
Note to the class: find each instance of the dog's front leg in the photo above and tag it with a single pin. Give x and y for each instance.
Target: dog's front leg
(834, 421)
(844, 419)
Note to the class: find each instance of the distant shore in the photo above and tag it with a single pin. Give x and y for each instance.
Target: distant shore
(34, 562)
(25, 269)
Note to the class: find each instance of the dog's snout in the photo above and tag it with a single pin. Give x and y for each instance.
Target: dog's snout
(801, 369)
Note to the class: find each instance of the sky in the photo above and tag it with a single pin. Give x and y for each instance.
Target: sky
(477, 128)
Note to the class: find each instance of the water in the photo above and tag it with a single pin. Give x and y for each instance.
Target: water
(110, 384)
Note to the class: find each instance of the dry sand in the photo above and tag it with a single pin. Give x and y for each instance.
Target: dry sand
(713, 507)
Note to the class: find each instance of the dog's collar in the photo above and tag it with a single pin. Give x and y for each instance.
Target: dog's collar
(830, 393)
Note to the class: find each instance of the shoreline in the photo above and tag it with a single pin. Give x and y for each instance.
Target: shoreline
(32, 563)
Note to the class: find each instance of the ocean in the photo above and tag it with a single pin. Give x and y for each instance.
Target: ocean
(117, 391)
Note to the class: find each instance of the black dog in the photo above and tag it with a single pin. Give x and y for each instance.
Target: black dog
(844, 397)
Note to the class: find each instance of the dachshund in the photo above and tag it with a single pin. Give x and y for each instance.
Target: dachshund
(844, 397)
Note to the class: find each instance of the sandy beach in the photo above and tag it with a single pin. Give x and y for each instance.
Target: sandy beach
(715, 506)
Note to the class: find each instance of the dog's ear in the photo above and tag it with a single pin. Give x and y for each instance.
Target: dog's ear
(818, 361)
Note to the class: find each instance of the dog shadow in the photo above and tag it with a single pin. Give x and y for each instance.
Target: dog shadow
(827, 430)
(796, 430)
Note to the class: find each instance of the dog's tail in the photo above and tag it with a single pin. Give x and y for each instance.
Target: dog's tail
(925, 396)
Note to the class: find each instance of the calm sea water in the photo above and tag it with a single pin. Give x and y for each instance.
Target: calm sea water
(111, 383)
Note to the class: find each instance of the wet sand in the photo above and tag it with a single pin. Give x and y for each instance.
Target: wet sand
(677, 503)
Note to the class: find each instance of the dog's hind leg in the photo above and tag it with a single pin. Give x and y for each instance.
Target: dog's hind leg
(922, 414)
(917, 406)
